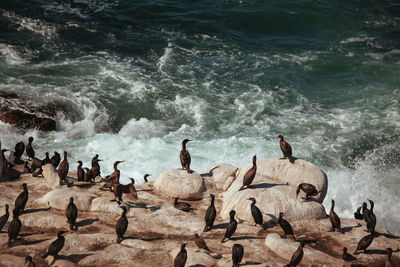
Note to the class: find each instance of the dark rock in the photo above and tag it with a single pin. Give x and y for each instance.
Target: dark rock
(28, 121)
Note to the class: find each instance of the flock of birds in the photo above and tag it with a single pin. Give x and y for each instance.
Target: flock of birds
(112, 183)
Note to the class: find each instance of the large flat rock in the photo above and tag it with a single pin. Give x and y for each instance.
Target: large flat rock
(221, 175)
(59, 198)
(180, 183)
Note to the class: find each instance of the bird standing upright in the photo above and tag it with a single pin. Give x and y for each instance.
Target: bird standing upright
(56, 246)
(181, 257)
(286, 149)
(211, 213)
(185, 156)
(122, 225)
(250, 174)
(335, 220)
(29, 149)
(72, 213)
(63, 169)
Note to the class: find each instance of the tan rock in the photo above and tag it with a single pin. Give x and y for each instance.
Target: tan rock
(273, 194)
(2, 163)
(221, 175)
(59, 198)
(180, 183)
(51, 176)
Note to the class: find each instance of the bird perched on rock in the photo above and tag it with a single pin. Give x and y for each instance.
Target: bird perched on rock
(256, 213)
(55, 159)
(210, 215)
(231, 228)
(14, 227)
(122, 225)
(185, 156)
(250, 174)
(372, 216)
(22, 198)
(63, 169)
(286, 149)
(368, 217)
(145, 177)
(335, 220)
(183, 206)
(96, 165)
(297, 255)
(285, 225)
(29, 149)
(4, 218)
(56, 246)
(72, 213)
(80, 173)
(29, 262)
(347, 257)
(309, 189)
(357, 214)
(388, 261)
(19, 149)
(364, 242)
(200, 242)
(237, 254)
(181, 257)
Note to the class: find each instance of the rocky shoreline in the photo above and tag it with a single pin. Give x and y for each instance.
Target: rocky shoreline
(156, 229)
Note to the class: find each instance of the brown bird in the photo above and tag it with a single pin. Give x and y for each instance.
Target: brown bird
(200, 242)
(286, 149)
(297, 255)
(389, 262)
(335, 220)
(285, 225)
(183, 206)
(372, 216)
(80, 173)
(46, 159)
(119, 189)
(185, 156)
(29, 149)
(250, 174)
(364, 242)
(4, 218)
(95, 165)
(181, 257)
(347, 257)
(72, 213)
(309, 189)
(29, 262)
(113, 179)
(63, 169)
(94, 171)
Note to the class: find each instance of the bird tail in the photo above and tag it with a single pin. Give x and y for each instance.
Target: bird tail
(45, 255)
(71, 226)
(291, 159)
(118, 240)
(241, 188)
(223, 240)
(206, 228)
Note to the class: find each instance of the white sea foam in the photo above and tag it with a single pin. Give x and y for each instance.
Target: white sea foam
(11, 55)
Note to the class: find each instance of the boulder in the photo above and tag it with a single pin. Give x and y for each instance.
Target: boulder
(25, 120)
(51, 176)
(277, 193)
(59, 198)
(221, 175)
(195, 257)
(180, 183)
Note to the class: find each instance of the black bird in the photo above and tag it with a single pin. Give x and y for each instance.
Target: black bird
(145, 177)
(29, 149)
(357, 214)
(211, 213)
(29, 262)
(94, 171)
(297, 255)
(250, 174)
(63, 169)
(367, 216)
(364, 242)
(4, 218)
(55, 159)
(19, 149)
(285, 225)
(181, 257)
(307, 188)
(347, 257)
(72, 213)
(372, 216)
(46, 159)
(21, 200)
(80, 173)
(14, 228)
(121, 225)
(255, 212)
(237, 254)
(286, 149)
(185, 156)
(335, 220)
(56, 246)
(183, 206)
(388, 261)
(231, 228)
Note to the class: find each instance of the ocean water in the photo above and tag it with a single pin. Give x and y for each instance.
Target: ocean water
(129, 80)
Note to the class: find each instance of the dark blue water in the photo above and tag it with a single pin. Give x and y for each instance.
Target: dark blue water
(130, 79)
